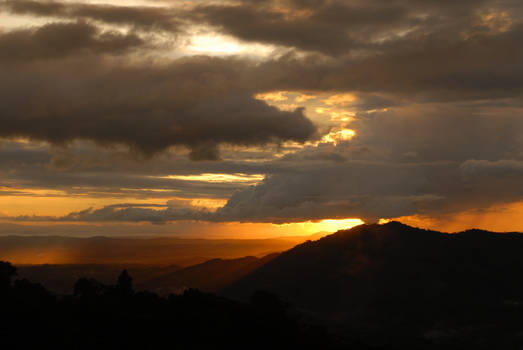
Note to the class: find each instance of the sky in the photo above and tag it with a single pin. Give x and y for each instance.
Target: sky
(259, 118)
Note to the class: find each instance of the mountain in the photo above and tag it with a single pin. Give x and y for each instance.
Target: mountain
(393, 276)
(210, 276)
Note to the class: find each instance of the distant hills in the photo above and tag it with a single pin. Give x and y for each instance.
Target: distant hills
(30, 250)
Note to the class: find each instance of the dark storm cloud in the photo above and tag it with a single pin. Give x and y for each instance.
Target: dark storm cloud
(327, 27)
(59, 40)
(146, 18)
(197, 103)
(500, 169)
(425, 70)
(337, 27)
(415, 50)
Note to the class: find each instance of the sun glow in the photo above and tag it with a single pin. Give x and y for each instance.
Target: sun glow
(214, 177)
(339, 136)
(328, 225)
(209, 43)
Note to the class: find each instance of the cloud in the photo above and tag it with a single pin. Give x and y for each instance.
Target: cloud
(435, 88)
(197, 103)
(142, 17)
(124, 212)
(59, 40)
(429, 159)
(409, 160)
(135, 213)
(504, 168)
(360, 27)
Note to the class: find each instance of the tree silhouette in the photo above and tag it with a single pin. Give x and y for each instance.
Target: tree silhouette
(87, 288)
(7, 272)
(125, 283)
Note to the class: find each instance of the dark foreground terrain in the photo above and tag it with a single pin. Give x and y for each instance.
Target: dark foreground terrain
(210, 276)
(372, 287)
(98, 316)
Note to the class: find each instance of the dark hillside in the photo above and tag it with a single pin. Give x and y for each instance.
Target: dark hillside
(210, 276)
(400, 276)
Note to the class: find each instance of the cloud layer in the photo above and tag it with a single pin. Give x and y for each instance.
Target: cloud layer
(432, 94)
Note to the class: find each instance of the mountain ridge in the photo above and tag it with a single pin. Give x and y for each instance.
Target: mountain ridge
(394, 272)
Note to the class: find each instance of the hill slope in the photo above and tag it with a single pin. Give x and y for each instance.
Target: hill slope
(209, 276)
(395, 274)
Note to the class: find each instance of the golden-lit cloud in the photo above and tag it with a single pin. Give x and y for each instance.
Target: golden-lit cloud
(342, 116)
(208, 203)
(339, 100)
(335, 137)
(496, 21)
(224, 178)
(304, 98)
(276, 96)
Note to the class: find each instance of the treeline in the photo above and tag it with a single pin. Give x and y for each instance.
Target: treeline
(98, 316)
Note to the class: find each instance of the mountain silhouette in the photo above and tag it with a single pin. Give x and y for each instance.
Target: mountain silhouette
(210, 276)
(393, 275)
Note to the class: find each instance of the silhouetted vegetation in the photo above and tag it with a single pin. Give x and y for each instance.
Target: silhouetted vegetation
(99, 316)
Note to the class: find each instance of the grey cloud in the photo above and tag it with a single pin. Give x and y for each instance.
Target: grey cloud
(337, 27)
(367, 192)
(59, 40)
(424, 70)
(125, 212)
(441, 132)
(86, 169)
(336, 190)
(322, 191)
(410, 49)
(197, 103)
(134, 213)
(147, 18)
(409, 160)
(500, 168)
